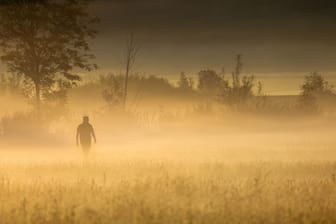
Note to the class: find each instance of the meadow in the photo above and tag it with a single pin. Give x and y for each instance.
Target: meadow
(235, 177)
(210, 146)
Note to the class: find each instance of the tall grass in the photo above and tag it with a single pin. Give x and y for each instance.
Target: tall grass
(140, 191)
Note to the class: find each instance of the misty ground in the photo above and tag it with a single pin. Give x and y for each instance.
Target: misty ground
(160, 165)
(199, 175)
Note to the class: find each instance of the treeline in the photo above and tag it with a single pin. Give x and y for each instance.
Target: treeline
(209, 86)
(46, 71)
(238, 92)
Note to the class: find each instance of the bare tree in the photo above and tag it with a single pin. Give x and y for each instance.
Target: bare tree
(242, 86)
(132, 50)
(236, 73)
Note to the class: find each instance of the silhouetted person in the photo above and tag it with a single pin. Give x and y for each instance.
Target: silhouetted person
(85, 133)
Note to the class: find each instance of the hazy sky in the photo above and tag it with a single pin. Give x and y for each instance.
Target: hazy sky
(278, 38)
(281, 38)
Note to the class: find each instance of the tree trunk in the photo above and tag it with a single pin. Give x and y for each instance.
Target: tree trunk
(131, 53)
(126, 82)
(38, 97)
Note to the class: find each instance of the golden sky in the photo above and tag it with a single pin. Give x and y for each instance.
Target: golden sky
(281, 41)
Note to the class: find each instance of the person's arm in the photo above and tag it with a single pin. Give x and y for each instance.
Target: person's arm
(77, 136)
(93, 134)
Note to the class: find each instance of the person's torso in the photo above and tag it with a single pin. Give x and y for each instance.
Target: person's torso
(85, 131)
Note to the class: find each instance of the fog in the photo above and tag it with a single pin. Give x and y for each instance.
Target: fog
(165, 129)
(166, 111)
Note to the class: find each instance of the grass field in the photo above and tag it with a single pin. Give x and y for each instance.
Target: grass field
(179, 186)
(264, 172)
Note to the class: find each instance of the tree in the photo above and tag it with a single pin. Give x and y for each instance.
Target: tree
(3, 83)
(236, 73)
(184, 82)
(241, 89)
(236, 93)
(313, 90)
(11, 82)
(132, 50)
(45, 40)
(113, 92)
(210, 83)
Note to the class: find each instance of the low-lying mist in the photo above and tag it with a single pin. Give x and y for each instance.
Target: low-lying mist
(168, 156)
(161, 129)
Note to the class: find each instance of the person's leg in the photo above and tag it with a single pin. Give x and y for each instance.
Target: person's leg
(86, 151)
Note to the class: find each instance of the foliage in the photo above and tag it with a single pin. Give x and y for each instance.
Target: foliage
(234, 94)
(45, 41)
(241, 89)
(139, 87)
(12, 83)
(184, 83)
(238, 95)
(3, 83)
(211, 83)
(314, 91)
(153, 84)
(113, 92)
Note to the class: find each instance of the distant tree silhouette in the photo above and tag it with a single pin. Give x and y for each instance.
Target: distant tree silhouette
(113, 91)
(140, 87)
(314, 90)
(237, 92)
(184, 83)
(236, 73)
(210, 83)
(241, 89)
(45, 41)
(132, 50)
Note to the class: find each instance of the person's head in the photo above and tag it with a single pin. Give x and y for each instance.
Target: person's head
(85, 119)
